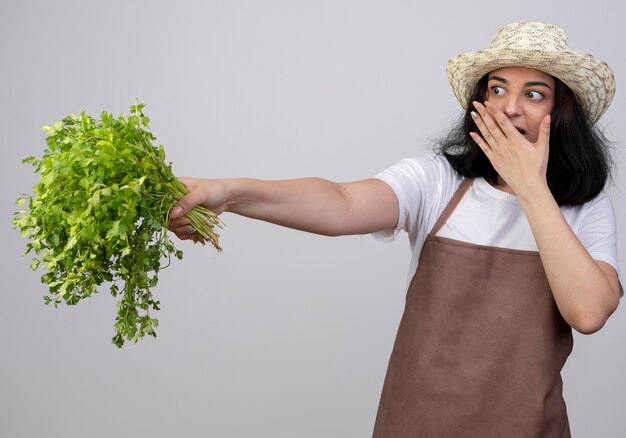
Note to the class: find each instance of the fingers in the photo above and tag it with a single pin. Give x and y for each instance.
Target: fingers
(187, 202)
(482, 144)
(497, 132)
(504, 124)
(181, 226)
(183, 230)
(543, 140)
(210, 194)
(493, 124)
(179, 223)
(185, 233)
(487, 125)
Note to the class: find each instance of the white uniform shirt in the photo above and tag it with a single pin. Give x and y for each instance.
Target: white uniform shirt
(486, 215)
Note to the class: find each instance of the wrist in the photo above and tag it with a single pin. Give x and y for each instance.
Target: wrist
(230, 189)
(534, 194)
(237, 193)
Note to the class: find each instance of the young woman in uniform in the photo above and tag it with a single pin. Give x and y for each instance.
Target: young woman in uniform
(513, 239)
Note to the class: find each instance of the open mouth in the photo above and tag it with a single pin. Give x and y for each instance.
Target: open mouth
(521, 131)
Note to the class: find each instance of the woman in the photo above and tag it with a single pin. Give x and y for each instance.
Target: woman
(513, 239)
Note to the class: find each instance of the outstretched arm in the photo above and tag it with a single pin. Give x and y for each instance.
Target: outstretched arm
(310, 204)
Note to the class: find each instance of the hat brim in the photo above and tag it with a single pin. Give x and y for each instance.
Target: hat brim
(590, 78)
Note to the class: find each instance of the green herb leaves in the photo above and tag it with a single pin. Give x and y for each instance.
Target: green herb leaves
(99, 214)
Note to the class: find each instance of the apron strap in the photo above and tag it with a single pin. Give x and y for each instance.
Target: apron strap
(454, 201)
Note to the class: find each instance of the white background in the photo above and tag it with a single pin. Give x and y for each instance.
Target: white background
(284, 334)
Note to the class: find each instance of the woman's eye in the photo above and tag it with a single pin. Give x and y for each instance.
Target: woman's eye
(535, 95)
(497, 91)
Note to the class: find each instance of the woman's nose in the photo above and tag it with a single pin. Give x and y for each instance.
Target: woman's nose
(511, 106)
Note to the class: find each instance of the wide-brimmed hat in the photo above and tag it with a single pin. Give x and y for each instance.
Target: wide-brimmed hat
(544, 47)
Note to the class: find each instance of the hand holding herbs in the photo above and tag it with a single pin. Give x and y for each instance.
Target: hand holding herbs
(99, 214)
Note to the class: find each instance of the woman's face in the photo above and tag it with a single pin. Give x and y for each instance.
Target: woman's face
(524, 94)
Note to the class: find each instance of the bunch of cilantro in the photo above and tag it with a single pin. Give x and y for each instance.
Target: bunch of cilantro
(99, 215)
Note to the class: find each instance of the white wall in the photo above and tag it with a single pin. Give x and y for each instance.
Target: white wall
(284, 334)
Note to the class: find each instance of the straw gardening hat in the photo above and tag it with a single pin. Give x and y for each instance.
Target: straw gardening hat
(544, 47)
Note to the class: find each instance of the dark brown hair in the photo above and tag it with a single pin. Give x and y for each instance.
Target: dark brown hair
(579, 164)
